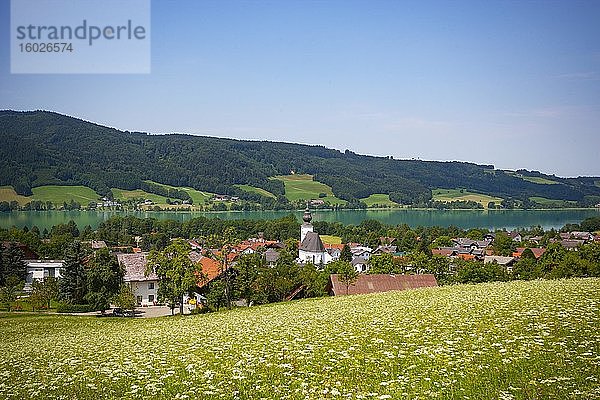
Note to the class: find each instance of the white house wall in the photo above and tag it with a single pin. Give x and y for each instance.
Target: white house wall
(142, 289)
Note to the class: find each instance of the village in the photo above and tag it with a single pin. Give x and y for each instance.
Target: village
(372, 269)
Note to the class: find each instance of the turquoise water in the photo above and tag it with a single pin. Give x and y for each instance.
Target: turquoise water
(494, 219)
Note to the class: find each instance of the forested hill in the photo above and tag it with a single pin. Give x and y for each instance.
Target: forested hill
(40, 148)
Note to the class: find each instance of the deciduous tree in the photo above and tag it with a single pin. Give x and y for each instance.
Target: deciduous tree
(177, 273)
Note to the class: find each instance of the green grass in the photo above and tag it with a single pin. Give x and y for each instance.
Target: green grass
(197, 196)
(553, 202)
(534, 179)
(448, 195)
(302, 187)
(539, 180)
(60, 194)
(257, 190)
(521, 340)
(8, 194)
(379, 199)
(330, 239)
(56, 194)
(124, 195)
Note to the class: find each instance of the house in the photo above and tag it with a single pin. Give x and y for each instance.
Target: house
(506, 262)
(466, 243)
(572, 244)
(145, 288)
(211, 269)
(360, 264)
(271, 256)
(28, 254)
(97, 244)
(537, 252)
(361, 251)
(334, 250)
(490, 237)
(38, 270)
(444, 251)
(585, 236)
(384, 240)
(387, 249)
(515, 236)
(380, 283)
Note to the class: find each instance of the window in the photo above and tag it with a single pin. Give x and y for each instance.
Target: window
(150, 285)
(139, 299)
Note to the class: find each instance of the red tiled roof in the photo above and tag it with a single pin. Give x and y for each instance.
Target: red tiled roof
(381, 283)
(537, 251)
(442, 252)
(334, 246)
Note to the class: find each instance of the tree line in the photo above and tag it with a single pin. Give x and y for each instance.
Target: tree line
(41, 148)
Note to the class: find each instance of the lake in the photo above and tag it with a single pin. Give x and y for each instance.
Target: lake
(492, 219)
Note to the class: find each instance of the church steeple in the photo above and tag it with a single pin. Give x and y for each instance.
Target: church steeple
(306, 226)
(307, 217)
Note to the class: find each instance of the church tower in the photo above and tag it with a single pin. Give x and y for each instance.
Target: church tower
(306, 226)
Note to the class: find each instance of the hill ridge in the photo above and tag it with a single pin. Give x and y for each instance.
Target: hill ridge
(45, 147)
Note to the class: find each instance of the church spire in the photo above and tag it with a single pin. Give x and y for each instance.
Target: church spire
(307, 217)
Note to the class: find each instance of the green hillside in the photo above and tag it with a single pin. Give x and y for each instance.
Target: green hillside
(518, 340)
(257, 190)
(44, 148)
(59, 194)
(448, 195)
(124, 195)
(379, 199)
(56, 194)
(197, 196)
(303, 187)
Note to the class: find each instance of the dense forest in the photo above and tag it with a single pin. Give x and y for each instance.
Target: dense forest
(42, 148)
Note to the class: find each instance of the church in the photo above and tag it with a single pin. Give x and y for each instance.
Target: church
(311, 248)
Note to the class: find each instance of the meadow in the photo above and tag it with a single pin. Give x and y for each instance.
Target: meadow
(57, 194)
(125, 195)
(197, 196)
(379, 199)
(257, 190)
(302, 187)
(449, 195)
(553, 202)
(518, 340)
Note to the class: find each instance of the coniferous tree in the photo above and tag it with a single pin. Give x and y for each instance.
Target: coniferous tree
(346, 254)
(104, 278)
(11, 263)
(72, 284)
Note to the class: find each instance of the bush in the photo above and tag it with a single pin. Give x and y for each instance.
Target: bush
(74, 308)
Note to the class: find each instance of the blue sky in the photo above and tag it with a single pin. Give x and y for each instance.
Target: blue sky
(512, 83)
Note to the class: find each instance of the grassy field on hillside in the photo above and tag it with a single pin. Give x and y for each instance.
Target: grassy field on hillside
(379, 199)
(539, 180)
(302, 187)
(197, 196)
(56, 194)
(123, 195)
(534, 179)
(60, 194)
(456, 195)
(254, 189)
(518, 340)
(8, 194)
(553, 202)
